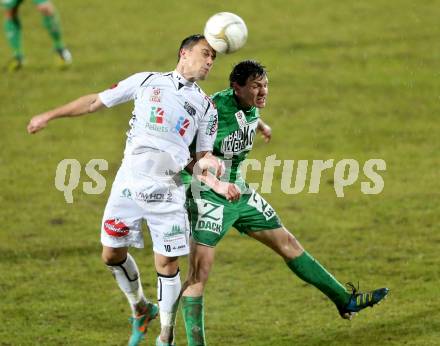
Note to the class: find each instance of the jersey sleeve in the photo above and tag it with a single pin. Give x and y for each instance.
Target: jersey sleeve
(207, 130)
(123, 91)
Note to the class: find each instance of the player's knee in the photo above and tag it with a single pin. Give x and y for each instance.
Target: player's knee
(169, 267)
(46, 9)
(110, 257)
(198, 276)
(291, 247)
(10, 14)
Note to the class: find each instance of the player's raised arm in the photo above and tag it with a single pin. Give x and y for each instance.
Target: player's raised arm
(83, 105)
(118, 93)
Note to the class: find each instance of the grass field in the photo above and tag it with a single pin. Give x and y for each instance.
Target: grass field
(348, 79)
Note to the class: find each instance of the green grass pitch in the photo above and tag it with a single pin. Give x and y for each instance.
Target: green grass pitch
(348, 79)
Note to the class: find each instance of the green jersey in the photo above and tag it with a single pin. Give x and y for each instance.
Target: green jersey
(235, 135)
(211, 215)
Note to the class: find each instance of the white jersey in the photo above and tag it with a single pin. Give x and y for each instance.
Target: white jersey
(169, 112)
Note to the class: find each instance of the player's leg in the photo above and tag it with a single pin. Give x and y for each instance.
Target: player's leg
(200, 263)
(126, 273)
(302, 263)
(210, 220)
(169, 229)
(122, 228)
(259, 220)
(168, 292)
(52, 24)
(311, 271)
(12, 29)
(116, 235)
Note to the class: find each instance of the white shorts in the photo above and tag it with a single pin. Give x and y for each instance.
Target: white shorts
(157, 201)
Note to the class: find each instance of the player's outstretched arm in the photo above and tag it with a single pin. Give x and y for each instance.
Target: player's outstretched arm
(266, 131)
(83, 105)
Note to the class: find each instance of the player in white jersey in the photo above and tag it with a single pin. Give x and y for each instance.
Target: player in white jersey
(170, 111)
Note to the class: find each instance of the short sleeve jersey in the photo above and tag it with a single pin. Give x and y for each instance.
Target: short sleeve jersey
(169, 113)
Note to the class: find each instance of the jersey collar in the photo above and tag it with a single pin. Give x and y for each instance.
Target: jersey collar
(181, 81)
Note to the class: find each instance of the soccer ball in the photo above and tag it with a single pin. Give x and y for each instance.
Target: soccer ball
(226, 32)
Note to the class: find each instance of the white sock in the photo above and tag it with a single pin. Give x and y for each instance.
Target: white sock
(168, 291)
(127, 276)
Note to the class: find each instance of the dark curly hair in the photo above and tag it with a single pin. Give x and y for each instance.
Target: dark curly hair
(246, 69)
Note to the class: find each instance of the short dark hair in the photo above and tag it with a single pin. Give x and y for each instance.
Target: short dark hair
(189, 42)
(246, 69)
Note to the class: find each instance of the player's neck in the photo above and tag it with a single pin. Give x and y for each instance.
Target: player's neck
(185, 74)
(241, 104)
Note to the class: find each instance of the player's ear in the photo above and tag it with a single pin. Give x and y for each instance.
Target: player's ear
(236, 88)
(182, 53)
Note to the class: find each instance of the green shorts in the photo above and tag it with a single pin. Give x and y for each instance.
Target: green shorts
(9, 4)
(212, 215)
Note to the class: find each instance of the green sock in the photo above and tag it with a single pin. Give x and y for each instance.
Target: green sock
(311, 271)
(193, 316)
(52, 24)
(12, 29)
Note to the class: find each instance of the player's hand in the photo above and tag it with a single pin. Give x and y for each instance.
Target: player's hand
(229, 190)
(37, 123)
(211, 163)
(266, 132)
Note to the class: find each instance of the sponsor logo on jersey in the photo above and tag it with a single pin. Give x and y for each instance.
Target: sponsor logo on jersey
(155, 95)
(189, 108)
(157, 119)
(210, 216)
(116, 228)
(175, 231)
(181, 126)
(239, 140)
(212, 124)
(157, 115)
(241, 119)
(154, 197)
(126, 193)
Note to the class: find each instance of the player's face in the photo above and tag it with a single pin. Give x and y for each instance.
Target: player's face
(253, 93)
(198, 60)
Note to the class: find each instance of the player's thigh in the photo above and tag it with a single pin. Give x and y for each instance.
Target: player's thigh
(122, 221)
(256, 214)
(279, 240)
(211, 217)
(169, 231)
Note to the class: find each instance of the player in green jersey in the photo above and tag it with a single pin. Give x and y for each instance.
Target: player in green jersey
(212, 215)
(12, 28)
